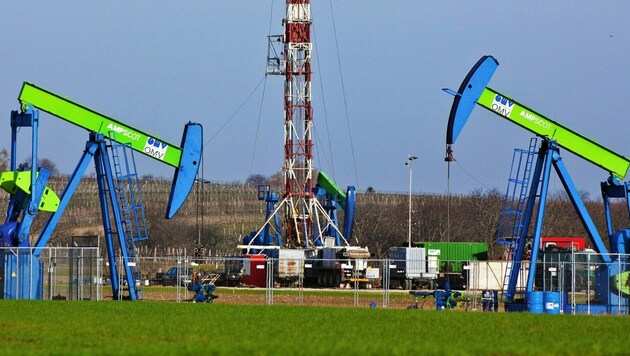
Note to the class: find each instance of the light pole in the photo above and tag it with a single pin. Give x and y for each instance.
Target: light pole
(408, 164)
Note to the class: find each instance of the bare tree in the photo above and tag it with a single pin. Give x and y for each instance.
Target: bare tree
(256, 179)
(42, 163)
(4, 160)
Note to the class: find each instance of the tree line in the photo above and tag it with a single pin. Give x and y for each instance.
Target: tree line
(217, 215)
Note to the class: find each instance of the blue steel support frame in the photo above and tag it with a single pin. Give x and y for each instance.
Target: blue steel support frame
(540, 216)
(580, 208)
(613, 188)
(96, 149)
(30, 211)
(548, 156)
(606, 196)
(21, 202)
(527, 218)
(331, 206)
(331, 231)
(105, 180)
(271, 201)
(69, 190)
(271, 206)
(265, 237)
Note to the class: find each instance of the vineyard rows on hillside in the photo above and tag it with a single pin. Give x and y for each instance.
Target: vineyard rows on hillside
(219, 214)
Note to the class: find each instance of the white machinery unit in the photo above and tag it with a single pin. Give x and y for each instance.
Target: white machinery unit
(411, 267)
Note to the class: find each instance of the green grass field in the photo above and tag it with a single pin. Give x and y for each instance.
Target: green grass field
(64, 327)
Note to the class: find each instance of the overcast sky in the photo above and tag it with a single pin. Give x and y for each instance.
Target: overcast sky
(157, 64)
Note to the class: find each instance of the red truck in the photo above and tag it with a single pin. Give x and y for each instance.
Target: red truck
(565, 243)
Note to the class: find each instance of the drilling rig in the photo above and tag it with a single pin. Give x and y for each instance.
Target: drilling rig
(302, 223)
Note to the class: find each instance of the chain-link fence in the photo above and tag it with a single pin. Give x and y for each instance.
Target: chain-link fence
(587, 283)
(51, 273)
(582, 282)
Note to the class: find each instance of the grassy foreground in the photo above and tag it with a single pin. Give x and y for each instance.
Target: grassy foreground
(64, 327)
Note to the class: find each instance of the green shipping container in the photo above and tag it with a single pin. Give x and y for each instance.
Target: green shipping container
(453, 254)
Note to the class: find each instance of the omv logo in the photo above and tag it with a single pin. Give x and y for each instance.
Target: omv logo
(155, 148)
(502, 105)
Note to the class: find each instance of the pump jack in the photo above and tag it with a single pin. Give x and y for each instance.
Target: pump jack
(473, 91)
(116, 183)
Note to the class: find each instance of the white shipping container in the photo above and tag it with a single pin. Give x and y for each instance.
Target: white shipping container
(413, 258)
(490, 275)
(290, 263)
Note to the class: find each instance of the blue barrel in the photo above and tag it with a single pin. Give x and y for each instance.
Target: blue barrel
(552, 302)
(535, 302)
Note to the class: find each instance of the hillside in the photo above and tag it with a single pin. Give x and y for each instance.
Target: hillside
(219, 214)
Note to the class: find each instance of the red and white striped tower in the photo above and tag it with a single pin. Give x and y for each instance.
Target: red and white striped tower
(298, 124)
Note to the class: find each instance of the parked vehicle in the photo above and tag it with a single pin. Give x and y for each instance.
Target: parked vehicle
(332, 267)
(232, 274)
(183, 275)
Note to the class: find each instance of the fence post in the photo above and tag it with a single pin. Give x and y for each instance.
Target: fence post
(80, 275)
(355, 275)
(474, 266)
(269, 282)
(99, 275)
(385, 283)
(301, 281)
(30, 275)
(178, 279)
(588, 284)
(619, 296)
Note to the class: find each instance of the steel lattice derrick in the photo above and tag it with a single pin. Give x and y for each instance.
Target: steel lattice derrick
(298, 166)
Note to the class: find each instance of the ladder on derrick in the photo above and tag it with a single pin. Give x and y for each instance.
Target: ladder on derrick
(129, 194)
(511, 223)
